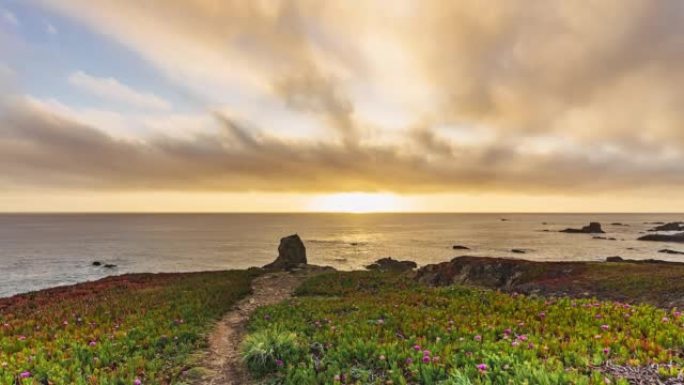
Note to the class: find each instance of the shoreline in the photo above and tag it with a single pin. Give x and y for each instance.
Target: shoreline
(554, 278)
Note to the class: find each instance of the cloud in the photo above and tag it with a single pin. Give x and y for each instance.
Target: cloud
(113, 90)
(525, 96)
(9, 17)
(41, 147)
(51, 29)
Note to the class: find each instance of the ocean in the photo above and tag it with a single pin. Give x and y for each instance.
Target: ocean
(44, 250)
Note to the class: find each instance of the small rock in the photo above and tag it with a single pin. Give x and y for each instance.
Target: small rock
(668, 251)
(518, 251)
(97, 263)
(109, 266)
(390, 264)
(460, 247)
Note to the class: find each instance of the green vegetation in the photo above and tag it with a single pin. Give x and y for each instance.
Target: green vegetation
(374, 328)
(136, 329)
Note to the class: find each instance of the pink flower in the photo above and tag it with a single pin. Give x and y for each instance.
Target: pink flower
(137, 381)
(542, 315)
(435, 359)
(21, 338)
(606, 351)
(426, 359)
(92, 343)
(409, 361)
(515, 343)
(478, 338)
(416, 347)
(279, 363)
(665, 320)
(25, 374)
(482, 367)
(605, 327)
(336, 378)
(426, 352)
(508, 331)
(522, 337)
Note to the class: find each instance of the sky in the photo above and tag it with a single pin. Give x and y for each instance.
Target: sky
(341, 105)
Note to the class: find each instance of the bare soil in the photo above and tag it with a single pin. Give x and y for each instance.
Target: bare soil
(223, 364)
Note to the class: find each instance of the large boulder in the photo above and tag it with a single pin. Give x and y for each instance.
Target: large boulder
(291, 254)
(390, 264)
(593, 228)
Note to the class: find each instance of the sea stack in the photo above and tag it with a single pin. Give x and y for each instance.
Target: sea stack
(593, 228)
(291, 254)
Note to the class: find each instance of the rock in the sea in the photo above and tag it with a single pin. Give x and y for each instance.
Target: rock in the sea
(593, 228)
(678, 237)
(390, 264)
(668, 251)
(672, 226)
(460, 247)
(109, 266)
(618, 224)
(97, 263)
(518, 251)
(291, 254)
(614, 259)
(605, 238)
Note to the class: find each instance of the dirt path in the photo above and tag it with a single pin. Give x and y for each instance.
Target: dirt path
(223, 363)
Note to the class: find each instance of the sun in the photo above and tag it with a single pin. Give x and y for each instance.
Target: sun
(356, 203)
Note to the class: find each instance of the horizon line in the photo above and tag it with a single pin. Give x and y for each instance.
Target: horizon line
(338, 212)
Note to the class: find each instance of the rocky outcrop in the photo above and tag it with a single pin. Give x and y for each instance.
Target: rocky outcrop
(499, 273)
(593, 228)
(678, 237)
(672, 226)
(291, 254)
(390, 264)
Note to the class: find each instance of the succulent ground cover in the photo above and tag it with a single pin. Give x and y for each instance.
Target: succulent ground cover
(128, 330)
(380, 328)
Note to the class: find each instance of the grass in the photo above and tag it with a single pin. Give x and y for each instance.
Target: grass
(137, 329)
(378, 328)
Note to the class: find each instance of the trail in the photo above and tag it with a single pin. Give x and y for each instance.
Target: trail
(223, 363)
